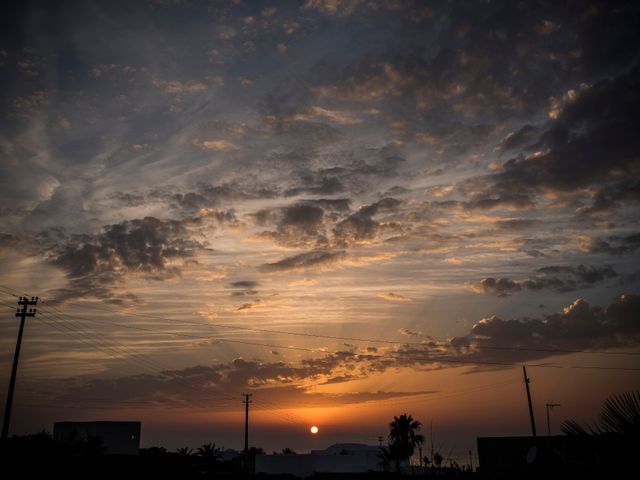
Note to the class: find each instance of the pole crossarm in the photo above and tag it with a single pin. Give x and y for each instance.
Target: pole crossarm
(23, 313)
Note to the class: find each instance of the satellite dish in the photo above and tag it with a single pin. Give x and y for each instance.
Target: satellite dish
(531, 455)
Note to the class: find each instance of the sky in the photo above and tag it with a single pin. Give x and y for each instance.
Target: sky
(350, 209)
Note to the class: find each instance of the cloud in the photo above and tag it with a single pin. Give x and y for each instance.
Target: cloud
(614, 245)
(336, 116)
(257, 305)
(360, 226)
(611, 197)
(242, 288)
(512, 224)
(522, 138)
(94, 263)
(30, 103)
(590, 141)
(244, 284)
(215, 145)
(279, 383)
(409, 333)
(508, 201)
(562, 278)
(188, 87)
(578, 326)
(393, 297)
(502, 287)
(306, 224)
(491, 340)
(299, 225)
(330, 6)
(308, 260)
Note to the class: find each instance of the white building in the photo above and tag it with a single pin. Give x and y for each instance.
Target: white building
(338, 458)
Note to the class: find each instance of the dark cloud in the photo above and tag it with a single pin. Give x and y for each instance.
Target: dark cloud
(95, 262)
(491, 200)
(303, 261)
(577, 327)
(611, 197)
(352, 169)
(306, 224)
(361, 226)
(340, 205)
(614, 245)
(516, 224)
(591, 141)
(202, 384)
(492, 341)
(243, 288)
(502, 287)
(300, 225)
(525, 136)
(558, 277)
(244, 284)
(211, 196)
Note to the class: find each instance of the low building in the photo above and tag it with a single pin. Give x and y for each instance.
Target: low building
(557, 456)
(338, 458)
(116, 438)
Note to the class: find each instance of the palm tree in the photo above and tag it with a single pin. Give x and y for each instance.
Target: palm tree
(184, 451)
(386, 457)
(620, 414)
(404, 437)
(288, 451)
(209, 451)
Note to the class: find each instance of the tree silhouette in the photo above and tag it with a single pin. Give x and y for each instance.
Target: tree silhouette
(288, 451)
(437, 459)
(184, 451)
(386, 458)
(209, 451)
(249, 459)
(404, 437)
(620, 414)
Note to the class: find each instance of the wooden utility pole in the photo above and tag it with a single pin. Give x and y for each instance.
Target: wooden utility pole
(24, 302)
(526, 384)
(246, 402)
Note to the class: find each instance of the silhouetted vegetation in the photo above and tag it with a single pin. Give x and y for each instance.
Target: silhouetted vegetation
(403, 438)
(620, 415)
(614, 440)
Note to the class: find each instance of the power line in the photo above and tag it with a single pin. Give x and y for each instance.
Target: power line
(442, 343)
(355, 339)
(147, 364)
(431, 358)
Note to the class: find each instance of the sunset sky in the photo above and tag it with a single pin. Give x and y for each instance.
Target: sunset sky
(351, 209)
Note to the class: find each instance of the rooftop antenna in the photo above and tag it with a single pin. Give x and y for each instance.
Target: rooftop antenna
(550, 405)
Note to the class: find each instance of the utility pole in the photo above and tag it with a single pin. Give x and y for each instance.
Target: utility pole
(24, 302)
(550, 405)
(526, 384)
(471, 460)
(246, 402)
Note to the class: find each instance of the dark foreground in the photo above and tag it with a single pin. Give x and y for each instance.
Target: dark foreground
(39, 456)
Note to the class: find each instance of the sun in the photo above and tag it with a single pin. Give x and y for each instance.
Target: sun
(314, 429)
